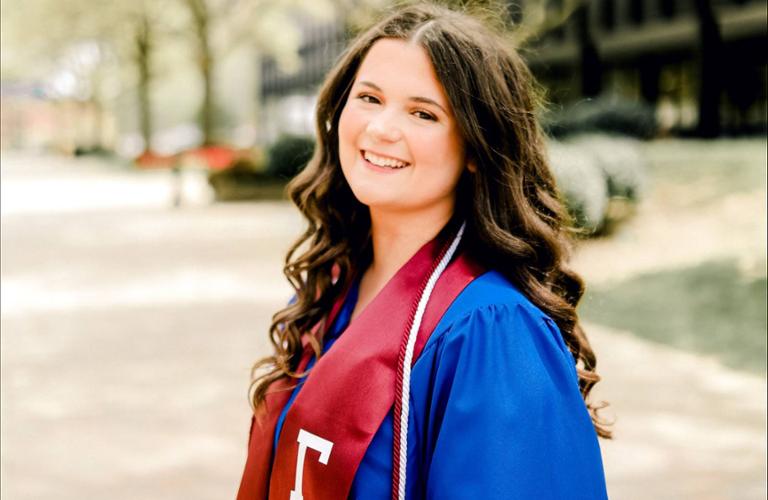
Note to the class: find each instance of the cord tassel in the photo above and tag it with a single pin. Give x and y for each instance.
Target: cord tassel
(403, 380)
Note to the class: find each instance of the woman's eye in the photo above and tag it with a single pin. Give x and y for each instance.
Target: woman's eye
(424, 115)
(368, 98)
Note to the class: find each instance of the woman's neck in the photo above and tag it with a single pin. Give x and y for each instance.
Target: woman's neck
(396, 238)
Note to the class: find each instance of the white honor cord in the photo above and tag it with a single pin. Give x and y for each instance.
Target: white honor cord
(412, 334)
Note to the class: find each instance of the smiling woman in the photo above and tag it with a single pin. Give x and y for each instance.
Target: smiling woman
(433, 349)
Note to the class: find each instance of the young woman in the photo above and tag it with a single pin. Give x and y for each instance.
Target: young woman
(433, 348)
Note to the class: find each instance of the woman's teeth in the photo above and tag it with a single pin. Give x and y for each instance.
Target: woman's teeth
(382, 161)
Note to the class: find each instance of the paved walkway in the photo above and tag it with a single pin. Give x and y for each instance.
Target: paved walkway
(128, 329)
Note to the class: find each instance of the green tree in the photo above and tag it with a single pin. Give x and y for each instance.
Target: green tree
(523, 20)
(49, 31)
(217, 27)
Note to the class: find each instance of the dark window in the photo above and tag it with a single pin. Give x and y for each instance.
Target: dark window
(607, 14)
(667, 8)
(716, 3)
(636, 11)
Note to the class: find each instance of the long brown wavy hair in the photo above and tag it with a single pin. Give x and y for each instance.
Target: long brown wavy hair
(516, 222)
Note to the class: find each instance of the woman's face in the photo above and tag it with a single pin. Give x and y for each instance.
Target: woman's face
(399, 145)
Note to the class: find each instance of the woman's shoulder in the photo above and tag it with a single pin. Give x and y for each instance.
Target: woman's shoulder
(491, 311)
(489, 289)
(491, 296)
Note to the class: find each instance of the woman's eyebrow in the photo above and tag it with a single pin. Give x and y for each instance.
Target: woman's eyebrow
(425, 100)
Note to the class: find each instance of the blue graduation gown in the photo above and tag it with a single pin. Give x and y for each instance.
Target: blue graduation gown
(495, 408)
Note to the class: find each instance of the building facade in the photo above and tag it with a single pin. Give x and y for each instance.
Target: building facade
(700, 63)
(692, 60)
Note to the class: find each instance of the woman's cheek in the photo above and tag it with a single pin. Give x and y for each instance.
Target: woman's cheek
(346, 137)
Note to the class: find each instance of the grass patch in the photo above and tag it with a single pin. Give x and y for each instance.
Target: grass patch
(710, 308)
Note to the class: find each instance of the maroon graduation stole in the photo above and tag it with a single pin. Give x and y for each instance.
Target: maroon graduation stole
(350, 389)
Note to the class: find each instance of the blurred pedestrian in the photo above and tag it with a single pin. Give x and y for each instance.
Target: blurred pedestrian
(433, 348)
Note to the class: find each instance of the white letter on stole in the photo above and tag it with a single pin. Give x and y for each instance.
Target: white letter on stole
(309, 440)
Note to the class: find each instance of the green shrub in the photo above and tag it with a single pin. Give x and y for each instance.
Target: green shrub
(241, 171)
(600, 177)
(621, 161)
(245, 179)
(609, 115)
(581, 183)
(288, 155)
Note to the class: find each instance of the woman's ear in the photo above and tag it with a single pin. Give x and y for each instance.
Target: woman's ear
(471, 166)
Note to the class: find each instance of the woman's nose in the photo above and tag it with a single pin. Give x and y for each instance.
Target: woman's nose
(383, 127)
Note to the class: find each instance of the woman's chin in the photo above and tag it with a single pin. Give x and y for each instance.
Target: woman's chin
(377, 201)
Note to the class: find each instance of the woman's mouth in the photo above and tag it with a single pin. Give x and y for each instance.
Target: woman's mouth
(382, 163)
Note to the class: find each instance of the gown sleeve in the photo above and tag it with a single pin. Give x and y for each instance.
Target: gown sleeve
(507, 420)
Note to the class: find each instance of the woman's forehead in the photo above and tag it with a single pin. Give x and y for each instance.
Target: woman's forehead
(396, 66)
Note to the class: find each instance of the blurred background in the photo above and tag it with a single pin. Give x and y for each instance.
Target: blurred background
(145, 148)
